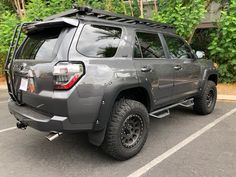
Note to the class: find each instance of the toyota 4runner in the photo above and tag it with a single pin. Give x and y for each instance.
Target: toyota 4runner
(104, 74)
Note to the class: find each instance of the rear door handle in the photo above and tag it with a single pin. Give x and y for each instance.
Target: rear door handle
(178, 67)
(146, 69)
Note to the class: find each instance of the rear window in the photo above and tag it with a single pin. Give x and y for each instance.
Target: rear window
(99, 41)
(39, 46)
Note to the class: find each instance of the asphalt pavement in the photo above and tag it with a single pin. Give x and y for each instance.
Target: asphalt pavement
(210, 154)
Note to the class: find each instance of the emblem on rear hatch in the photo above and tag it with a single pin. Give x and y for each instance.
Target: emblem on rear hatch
(22, 66)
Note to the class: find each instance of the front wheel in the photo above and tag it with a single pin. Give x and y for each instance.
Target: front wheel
(127, 129)
(205, 102)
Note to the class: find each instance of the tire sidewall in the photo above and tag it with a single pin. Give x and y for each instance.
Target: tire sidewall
(210, 85)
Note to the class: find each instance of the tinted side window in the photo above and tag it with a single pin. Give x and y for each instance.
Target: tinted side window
(177, 47)
(99, 41)
(150, 44)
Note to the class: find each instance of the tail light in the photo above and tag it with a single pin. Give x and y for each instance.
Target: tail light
(67, 74)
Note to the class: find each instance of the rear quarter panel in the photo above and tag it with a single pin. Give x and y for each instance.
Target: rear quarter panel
(93, 96)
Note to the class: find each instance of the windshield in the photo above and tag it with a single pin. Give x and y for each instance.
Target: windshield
(40, 46)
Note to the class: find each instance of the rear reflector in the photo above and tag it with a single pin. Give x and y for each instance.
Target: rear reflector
(67, 74)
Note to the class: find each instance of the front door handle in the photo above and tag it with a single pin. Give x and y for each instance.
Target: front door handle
(178, 67)
(146, 69)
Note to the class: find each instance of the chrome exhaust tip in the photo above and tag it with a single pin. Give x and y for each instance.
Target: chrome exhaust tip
(53, 135)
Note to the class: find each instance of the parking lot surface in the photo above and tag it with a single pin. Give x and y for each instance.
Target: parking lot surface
(212, 154)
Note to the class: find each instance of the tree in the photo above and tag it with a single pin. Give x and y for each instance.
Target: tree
(20, 7)
(155, 6)
(131, 8)
(141, 8)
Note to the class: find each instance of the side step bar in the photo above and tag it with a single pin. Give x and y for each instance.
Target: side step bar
(163, 112)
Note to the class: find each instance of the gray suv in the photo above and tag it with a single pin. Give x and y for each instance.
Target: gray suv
(104, 74)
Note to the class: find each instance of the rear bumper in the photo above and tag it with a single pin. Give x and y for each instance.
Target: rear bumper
(42, 122)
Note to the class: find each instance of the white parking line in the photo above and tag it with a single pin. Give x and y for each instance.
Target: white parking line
(179, 146)
(7, 129)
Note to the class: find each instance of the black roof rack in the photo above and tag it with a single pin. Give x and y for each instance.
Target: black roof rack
(78, 11)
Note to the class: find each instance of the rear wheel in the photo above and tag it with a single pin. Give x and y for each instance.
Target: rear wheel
(127, 130)
(205, 102)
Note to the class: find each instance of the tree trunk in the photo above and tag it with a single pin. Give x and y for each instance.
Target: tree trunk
(19, 5)
(155, 6)
(191, 36)
(131, 8)
(23, 6)
(141, 8)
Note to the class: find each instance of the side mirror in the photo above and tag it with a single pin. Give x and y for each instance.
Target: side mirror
(200, 54)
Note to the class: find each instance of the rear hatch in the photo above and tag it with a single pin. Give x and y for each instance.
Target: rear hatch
(46, 44)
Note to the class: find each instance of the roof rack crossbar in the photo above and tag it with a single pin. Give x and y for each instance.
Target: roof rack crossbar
(121, 20)
(86, 11)
(111, 18)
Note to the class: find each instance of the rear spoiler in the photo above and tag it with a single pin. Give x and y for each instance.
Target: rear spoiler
(41, 25)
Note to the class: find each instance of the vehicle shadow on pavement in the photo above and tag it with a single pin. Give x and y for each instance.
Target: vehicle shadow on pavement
(75, 148)
(67, 148)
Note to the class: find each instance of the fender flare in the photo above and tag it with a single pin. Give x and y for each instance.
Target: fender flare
(110, 95)
(206, 74)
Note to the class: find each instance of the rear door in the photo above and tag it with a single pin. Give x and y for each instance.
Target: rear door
(154, 69)
(187, 71)
(34, 62)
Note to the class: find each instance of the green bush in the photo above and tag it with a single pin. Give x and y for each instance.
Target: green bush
(223, 45)
(8, 22)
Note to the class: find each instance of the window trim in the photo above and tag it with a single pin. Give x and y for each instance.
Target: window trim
(136, 38)
(99, 24)
(149, 32)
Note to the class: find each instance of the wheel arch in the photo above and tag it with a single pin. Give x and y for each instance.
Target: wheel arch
(110, 97)
(209, 74)
(213, 77)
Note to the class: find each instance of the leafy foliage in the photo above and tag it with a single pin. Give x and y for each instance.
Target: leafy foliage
(7, 25)
(5, 5)
(39, 9)
(184, 15)
(223, 45)
(136, 8)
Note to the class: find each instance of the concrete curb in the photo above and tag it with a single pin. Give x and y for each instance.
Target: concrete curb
(227, 97)
(3, 87)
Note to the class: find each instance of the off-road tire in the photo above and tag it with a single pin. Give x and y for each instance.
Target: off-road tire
(201, 102)
(114, 143)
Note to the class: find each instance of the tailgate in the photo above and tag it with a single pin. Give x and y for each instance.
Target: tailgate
(33, 68)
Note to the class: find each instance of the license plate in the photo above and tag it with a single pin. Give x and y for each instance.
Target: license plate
(24, 84)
